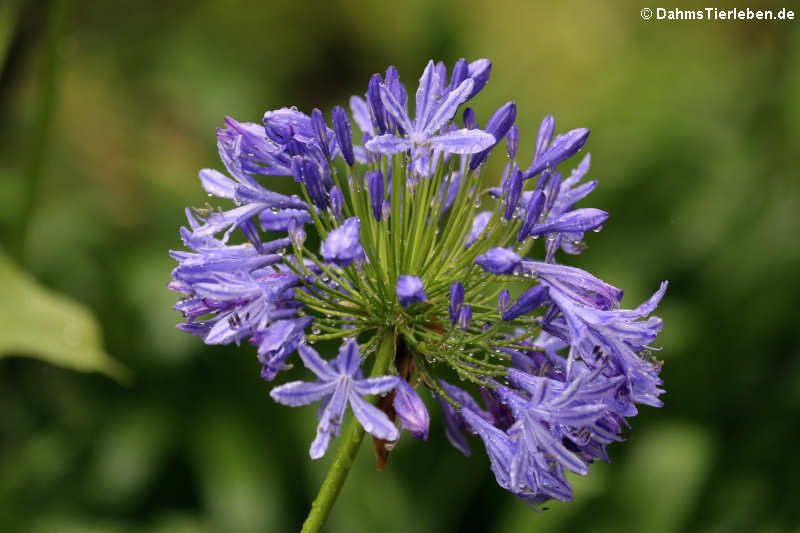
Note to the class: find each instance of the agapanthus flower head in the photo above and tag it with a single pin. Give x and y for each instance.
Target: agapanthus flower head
(418, 283)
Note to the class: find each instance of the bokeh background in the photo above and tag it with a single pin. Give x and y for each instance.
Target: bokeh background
(108, 110)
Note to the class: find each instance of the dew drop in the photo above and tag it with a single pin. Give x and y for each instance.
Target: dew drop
(275, 209)
(477, 202)
(315, 330)
(598, 229)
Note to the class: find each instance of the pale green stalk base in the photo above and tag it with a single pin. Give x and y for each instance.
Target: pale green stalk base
(346, 454)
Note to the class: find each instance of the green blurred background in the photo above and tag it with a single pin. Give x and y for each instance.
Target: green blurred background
(108, 110)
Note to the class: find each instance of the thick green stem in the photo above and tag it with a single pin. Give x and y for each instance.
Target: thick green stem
(346, 454)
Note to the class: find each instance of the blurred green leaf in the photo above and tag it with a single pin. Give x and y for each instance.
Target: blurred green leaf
(37, 322)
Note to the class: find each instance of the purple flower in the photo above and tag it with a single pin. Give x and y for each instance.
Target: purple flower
(374, 181)
(279, 220)
(337, 202)
(410, 290)
(342, 246)
(434, 111)
(479, 70)
(499, 261)
(479, 224)
(563, 147)
(341, 126)
(340, 383)
(533, 212)
(456, 301)
(503, 300)
(411, 412)
(513, 190)
(320, 131)
(313, 182)
(527, 302)
(470, 122)
(255, 198)
(579, 220)
(560, 369)
(498, 126)
(465, 317)
(512, 141)
(454, 424)
(277, 342)
(618, 335)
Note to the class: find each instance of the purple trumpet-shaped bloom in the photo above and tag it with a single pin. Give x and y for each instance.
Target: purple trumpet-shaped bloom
(503, 300)
(247, 191)
(576, 221)
(336, 199)
(342, 246)
(320, 131)
(617, 334)
(244, 148)
(513, 190)
(454, 424)
(465, 317)
(374, 180)
(375, 104)
(277, 342)
(498, 126)
(459, 74)
(499, 261)
(296, 233)
(360, 110)
(576, 284)
(527, 302)
(479, 70)
(512, 141)
(279, 221)
(341, 125)
(470, 122)
(479, 224)
(340, 382)
(543, 137)
(532, 214)
(499, 446)
(456, 301)
(569, 193)
(541, 415)
(313, 182)
(432, 115)
(410, 290)
(293, 133)
(562, 148)
(411, 412)
(539, 482)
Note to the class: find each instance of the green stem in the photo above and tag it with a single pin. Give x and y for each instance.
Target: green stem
(346, 454)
